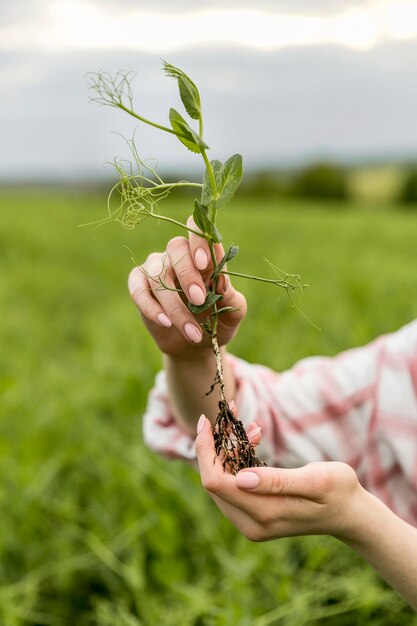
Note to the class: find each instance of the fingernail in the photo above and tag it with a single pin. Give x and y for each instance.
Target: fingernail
(193, 333)
(232, 405)
(164, 320)
(200, 424)
(226, 284)
(254, 431)
(197, 295)
(201, 259)
(247, 480)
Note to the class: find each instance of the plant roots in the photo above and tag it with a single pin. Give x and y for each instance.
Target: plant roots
(231, 442)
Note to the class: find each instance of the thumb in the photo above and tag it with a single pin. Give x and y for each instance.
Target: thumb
(301, 482)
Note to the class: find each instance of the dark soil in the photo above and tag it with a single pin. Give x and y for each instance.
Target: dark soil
(231, 442)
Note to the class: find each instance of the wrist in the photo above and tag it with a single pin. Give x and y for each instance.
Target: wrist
(194, 356)
(368, 517)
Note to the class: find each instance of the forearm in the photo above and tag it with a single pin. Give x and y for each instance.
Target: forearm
(189, 379)
(389, 544)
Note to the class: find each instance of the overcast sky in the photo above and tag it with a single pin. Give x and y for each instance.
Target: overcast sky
(288, 82)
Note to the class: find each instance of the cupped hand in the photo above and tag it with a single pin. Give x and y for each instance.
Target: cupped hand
(166, 281)
(267, 503)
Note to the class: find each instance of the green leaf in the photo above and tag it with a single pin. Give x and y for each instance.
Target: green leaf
(189, 93)
(230, 254)
(209, 301)
(227, 177)
(201, 218)
(185, 133)
(207, 192)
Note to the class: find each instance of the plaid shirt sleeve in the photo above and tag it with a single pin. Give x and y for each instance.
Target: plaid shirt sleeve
(359, 407)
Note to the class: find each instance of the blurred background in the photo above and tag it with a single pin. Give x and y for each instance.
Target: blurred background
(320, 99)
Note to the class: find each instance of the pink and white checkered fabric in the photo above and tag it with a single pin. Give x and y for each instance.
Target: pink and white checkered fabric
(359, 407)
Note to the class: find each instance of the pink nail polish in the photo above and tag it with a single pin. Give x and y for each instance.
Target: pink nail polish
(247, 480)
(201, 259)
(200, 424)
(197, 295)
(193, 333)
(164, 320)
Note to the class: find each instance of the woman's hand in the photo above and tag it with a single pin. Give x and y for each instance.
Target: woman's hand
(320, 498)
(267, 503)
(186, 265)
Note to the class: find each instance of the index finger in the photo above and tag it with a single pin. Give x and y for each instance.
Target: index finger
(214, 479)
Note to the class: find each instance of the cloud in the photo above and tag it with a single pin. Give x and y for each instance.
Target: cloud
(277, 6)
(61, 25)
(281, 107)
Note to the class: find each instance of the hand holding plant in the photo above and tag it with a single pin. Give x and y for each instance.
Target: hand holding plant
(165, 312)
(187, 287)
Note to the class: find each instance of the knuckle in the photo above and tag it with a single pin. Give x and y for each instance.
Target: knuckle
(278, 483)
(146, 308)
(254, 534)
(175, 243)
(322, 479)
(152, 257)
(154, 263)
(264, 516)
(210, 484)
(177, 311)
(241, 303)
(134, 282)
(186, 272)
(198, 446)
(133, 274)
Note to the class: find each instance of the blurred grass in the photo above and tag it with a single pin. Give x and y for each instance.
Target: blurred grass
(96, 530)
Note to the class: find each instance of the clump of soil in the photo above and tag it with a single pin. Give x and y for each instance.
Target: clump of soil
(231, 441)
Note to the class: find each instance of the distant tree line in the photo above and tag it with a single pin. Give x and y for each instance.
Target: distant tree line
(409, 191)
(320, 181)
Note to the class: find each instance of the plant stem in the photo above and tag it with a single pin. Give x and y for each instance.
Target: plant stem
(219, 364)
(273, 281)
(212, 183)
(213, 334)
(164, 218)
(179, 184)
(146, 121)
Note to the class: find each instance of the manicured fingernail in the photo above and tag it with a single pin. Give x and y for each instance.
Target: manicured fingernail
(254, 431)
(164, 320)
(247, 480)
(201, 259)
(193, 333)
(200, 424)
(197, 295)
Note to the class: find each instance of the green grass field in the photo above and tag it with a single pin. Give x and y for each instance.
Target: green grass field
(94, 528)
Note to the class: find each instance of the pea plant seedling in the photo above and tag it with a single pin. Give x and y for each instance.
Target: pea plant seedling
(139, 193)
